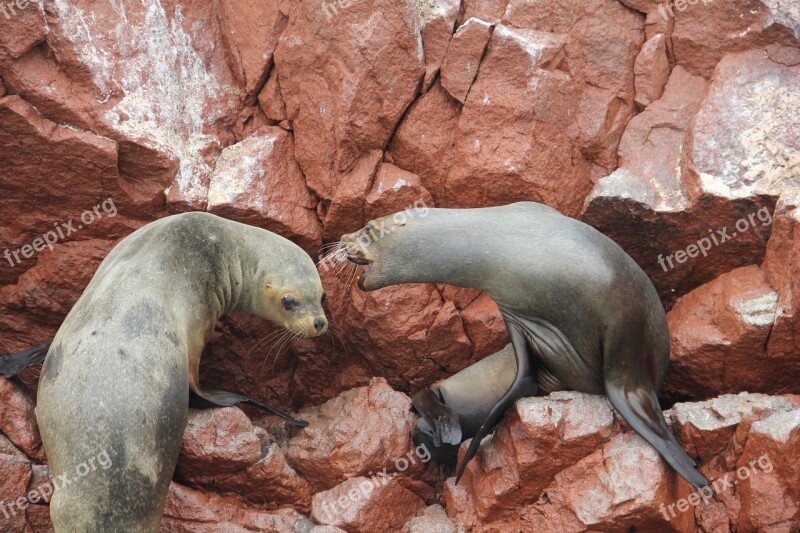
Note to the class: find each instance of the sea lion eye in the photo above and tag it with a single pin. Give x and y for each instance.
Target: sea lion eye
(288, 303)
(322, 300)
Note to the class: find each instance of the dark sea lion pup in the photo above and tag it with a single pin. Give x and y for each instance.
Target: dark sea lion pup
(116, 380)
(581, 314)
(454, 409)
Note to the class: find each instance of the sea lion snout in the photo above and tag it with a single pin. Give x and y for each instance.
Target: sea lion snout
(357, 245)
(311, 323)
(360, 250)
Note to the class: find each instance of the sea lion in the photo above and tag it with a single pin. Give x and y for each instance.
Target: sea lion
(117, 378)
(581, 314)
(456, 407)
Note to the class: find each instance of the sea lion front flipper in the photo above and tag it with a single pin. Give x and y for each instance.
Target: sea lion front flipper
(444, 422)
(220, 398)
(520, 344)
(11, 365)
(640, 409)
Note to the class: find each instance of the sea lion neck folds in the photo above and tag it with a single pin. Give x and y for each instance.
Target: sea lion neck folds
(580, 312)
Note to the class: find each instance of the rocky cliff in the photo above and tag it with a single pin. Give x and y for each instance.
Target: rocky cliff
(672, 127)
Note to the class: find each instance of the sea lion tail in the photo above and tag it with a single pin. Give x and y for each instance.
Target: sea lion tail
(13, 364)
(640, 409)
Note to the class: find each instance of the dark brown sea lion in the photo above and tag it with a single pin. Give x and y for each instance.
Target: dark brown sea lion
(454, 409)
(117, 377)
(581, 314)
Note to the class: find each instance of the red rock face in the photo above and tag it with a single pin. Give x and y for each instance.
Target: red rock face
(463, 57)
(669, 126)
(699, 198)
(344, 90)
(260, 177)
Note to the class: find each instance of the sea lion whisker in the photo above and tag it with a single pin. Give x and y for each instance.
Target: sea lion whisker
(265, 337)
(333, 258)
(355, 274)
(331, 245)
(294, 336)
(284, 335)
(342, 268)
(352, 275)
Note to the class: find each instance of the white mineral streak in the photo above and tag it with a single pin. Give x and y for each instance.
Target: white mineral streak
(165, 85)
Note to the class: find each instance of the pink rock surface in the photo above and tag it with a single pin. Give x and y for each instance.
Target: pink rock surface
(540, 438)
(345, 91)
(722, 328)
(257, 181)
(363, 504)
(651, 70)
(707, 31)
(437, 18)
(393, 190)
(699, 193)
(218, 441)
(17, 420)
(334, 448)
(192, 511)
(250, 31)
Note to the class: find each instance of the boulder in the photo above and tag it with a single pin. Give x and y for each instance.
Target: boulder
(218, 441)
(463, 57)
(334, 446)
(257, 181)
(363, 504)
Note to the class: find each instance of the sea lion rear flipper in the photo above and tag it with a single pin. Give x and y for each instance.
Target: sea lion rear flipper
(445, 425)
(11, 365)
(641, 410)
(522, 353)
(220, 398)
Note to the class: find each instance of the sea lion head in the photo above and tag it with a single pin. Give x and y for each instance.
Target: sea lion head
(375, 244)
(292, 296)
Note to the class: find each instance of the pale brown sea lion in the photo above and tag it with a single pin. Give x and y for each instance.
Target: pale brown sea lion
(117, 378)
